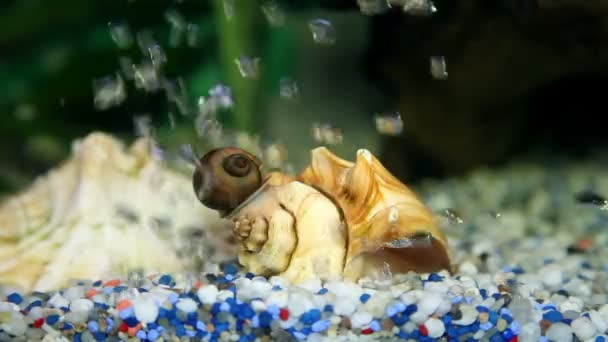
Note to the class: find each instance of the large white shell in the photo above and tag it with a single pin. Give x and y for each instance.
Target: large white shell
(103, 212)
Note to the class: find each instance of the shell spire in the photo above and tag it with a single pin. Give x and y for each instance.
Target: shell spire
(387, 222)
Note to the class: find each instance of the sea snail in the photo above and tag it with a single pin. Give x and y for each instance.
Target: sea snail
(336, 219)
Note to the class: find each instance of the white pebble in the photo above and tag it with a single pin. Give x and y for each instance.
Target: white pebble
(186, 305)
(600, 324)
(436, 286)
(434, 327)
(258, 305)
(278, 298)
(344, 306)
(299, 303)
(572, 304)
(224, 294)
(376, 304)
(146, 311)
(583, 328)
(207, 294)
(360, 318)
(418, 317)
(530, 332)
(551, 275)
(81, 304)
(16, 326)
(74, 293)
(468, 268)
(469, 315)
(429, 303)
(559, 332)
(58, 301)
(313, 285)
(248, 289)
(278, 281)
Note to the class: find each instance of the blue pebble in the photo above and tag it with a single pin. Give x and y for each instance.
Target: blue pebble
(299, 335)
(108, 290)
(190, 333)
(173, 297)
(400, 319)
(93, 326)
(517, 270)
(99, 336)
(553, 316)
(391, 310)
(52, 319)
(447, 319)
(230, 268)
(458, 299)
(566, 321)
(249, 275)
(505, 311)
(515, 327)
(229, 277)
(486, 326)
(320, 326)
(435, 277)
(364, 298)
(67, 326)
(77, 337)
(165, 280)
(131, 321)
(14, 298)
(273, 309)
(549, 306)
(410, 309)
(508, 334)
(265, 319)
(276, 288)
(600, 339)
(402, 334)
(543, 339)
(375, 325)
(224, 307)
(507, 318)
(493, 317)
(328, 308)
(201, 326)
(483, 293)
(141, 335)
(415, 335)
(496, 338)
(128, 312)
(34, 304)
(97, 283)
(496, 296)
(255, 322)
(221, 327)
(322, 291)
(153, 335)
(482, 309)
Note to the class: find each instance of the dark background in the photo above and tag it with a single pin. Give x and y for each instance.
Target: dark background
(526, 78)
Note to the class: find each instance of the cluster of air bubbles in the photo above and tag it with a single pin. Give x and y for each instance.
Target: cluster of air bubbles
(373, 7)
(273, 13)
(143, 126)
(109, 91)
(249, 67)
(121, 34)
(416, 240)
(176, 93)
(389, 123)
(423, 8)
(412, 7)
(288, 88)
(439, 68)
(452, 216)
(220, 98)
(322, 31)
(326, 133)
(591, 198)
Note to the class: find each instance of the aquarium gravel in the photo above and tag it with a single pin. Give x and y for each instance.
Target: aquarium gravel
(532, 266)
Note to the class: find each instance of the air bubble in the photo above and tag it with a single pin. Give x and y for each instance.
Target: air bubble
(229, 9)
(389, 123)
(373, 7)
(288, 88)
(176, 93)
(147, 77)
(121, 35)
(157, 55)
(248, 66)
(127, 67)
(393, 215)
(439, 68)
(417, 240)
(326, 133)
(109, 92)
(422, 8)
(193, 35)
(186, 152)
(143, 126)
(274, 14)
(178, 27)
(220, 97)
(275, 156)
(452, 216)
(322, 31)
(592, 198)
(209, 129)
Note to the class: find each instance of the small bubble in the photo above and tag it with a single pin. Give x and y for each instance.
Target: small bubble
(452, 215)
(176, 93)
(121, 35)
(210, 129)
(386, 271)
(326, 133)
(288, 88)
(494, 214)
(157, 55)
(143, 126)
(229, 9)
(591, 198)
(274, 14)
(422, 8)
(220, 97)
(322, 31)
(248, 66)
(373, 7)
(438, 68)
(178, 27)
(393, 215)
(275, 156)
(147, 77)
(389, 123)
(135, 277)
(145, 39)
(187, 153)
(193, 35)
(157, 152)
(109, 92)
(127, 67)
(416, 240)
(171, 118)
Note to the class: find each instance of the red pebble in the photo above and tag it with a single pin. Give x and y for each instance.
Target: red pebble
(514, 339)
(38, 323)
(284, 314)
(367, 331)
(423, 330)
(123, 327)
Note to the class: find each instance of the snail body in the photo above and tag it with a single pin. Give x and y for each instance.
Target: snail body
(335, 219)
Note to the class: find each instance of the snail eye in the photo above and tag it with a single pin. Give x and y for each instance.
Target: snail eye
(237, 165)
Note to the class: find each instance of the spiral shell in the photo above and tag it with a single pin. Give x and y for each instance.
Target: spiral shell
(337, 219)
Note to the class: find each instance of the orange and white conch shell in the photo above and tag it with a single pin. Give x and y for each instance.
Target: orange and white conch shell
(336, 219)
